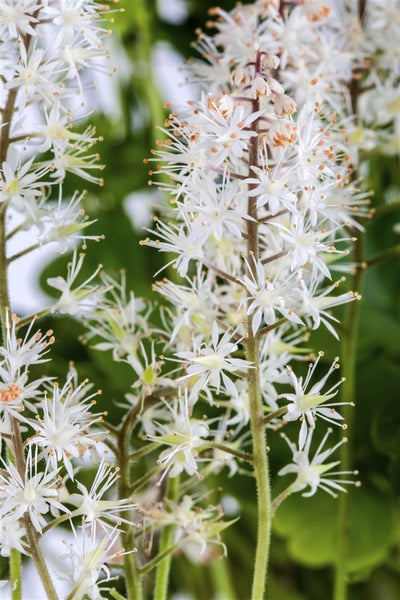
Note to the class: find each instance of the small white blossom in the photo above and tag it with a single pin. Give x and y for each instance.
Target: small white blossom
(88, 562)
(33, 492)
(209, 365)
(307, 404)
(315, 472)
(184, 436)
(74, 299)
(93, 505)
(64, 426)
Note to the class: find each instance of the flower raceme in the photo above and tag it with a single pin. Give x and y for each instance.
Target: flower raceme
(242, 166)
(262, 198)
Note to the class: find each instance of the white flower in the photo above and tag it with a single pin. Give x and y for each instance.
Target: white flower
(213, 209)
(312, 472)
(88, 562)
(74, 299)
(11, 535)
(149, 373)
(268, 298)
(34, 77)
(16, 356)
(92, 504)
(20, 183)
(194, 303)
(177, 239)
(315, 303)
(64, 424)
(272, 189)
(208, 365)
(17, 16)
(184, 436)
(119, 320)
(33, 492)
(306, 404)
(65, 223)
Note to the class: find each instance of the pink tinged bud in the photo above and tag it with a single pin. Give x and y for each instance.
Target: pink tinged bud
(241, 76)
(270, 61)
(260, 87)
(284, 105)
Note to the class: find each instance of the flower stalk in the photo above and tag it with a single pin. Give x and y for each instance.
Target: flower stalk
(162, 577)
(264, 208)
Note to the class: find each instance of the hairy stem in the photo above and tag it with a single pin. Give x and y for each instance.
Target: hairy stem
(133, 582)
(166, 541)
(348, 354)
(261, 466)
(15, 574)
(32, 535)
(4, 294)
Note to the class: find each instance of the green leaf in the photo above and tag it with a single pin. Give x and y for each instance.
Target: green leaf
(309, 525)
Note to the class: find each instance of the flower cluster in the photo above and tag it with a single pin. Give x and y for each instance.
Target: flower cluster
(260, 203)
(48, 54)
(265, 205)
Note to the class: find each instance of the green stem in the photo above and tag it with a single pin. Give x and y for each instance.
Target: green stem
(282, 496)
(139, 483)
(38, 315)
(261, 473)
(223, 584)
(383, 256)
(241, 455)
(15, 563)
(133, 581)
(149, 566)
(166, 539)
(348, 355)
(116, 595)
(138, 454)
(40, 564)
(4, 295)
(23, 252)
(15, 574)
(258, 433)
(32, 535)
(275, 415)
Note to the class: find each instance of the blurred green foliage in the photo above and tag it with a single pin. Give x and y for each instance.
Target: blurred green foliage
(305, 529)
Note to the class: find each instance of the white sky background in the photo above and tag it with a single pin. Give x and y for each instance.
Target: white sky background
(26, 296)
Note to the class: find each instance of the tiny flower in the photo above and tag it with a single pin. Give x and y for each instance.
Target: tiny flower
(198, 528)
(119, 320)
(184, 436)
(314, 472)
(12, 535)
(33, 492)
(268, 298)
(20, 182)
(88, 561)
(65, 223)
(272, 190)
(16, 356)
(73, 299)
(149, 373)
(17, 16)
(306, 405)
(179, 240)
(91, 503)
(209, 365)
(64, 424)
